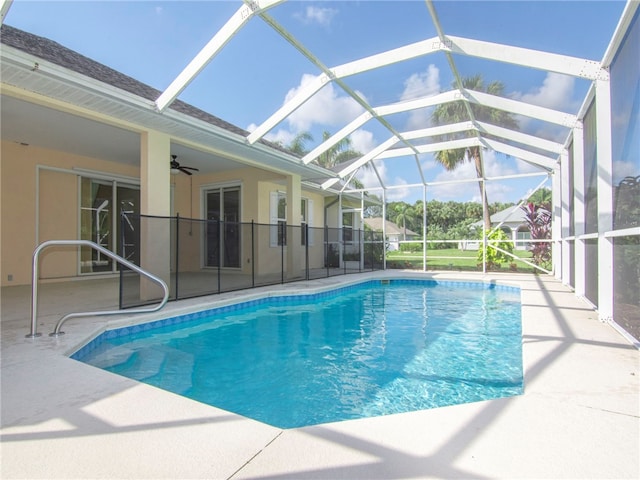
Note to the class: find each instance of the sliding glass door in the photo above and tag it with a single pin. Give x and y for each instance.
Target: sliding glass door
(104, 207)
(222, 242)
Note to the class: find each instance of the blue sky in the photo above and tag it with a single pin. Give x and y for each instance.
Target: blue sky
(258, 70)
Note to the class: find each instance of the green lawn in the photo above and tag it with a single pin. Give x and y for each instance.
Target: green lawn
(452, 259)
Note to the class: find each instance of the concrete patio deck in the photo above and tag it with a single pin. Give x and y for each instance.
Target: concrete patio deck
(578, 417)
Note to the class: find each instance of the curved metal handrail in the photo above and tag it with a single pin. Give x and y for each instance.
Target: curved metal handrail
(108, 253)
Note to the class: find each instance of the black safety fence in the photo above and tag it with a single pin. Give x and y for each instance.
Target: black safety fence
(205, 257)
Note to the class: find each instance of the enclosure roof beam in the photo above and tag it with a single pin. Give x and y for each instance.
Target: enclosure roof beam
(429, 148)
(211, 49)
(5, 5)
(512, 106)
(336, 137)
(520, 137)
(351, 68)
(573, 66)
(522, 108)
(530, 157)
(326, 71)
(445, 97)
(373, 153)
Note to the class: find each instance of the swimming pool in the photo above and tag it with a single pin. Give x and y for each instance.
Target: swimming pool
(369, 349)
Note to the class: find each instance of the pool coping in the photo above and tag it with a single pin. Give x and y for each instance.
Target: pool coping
(578, 416)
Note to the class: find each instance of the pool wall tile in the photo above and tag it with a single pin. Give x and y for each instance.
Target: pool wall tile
(276, 300)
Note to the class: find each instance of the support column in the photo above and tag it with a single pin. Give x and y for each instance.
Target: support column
(295, 258)
(424, 227)
(556, 225)
(155, 199)
(605, 199)
(579, 207)
(565, 219)
(384, 228)
(340, 234)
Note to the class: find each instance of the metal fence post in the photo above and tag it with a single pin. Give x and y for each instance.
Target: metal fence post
(177, 247)
(219, 255)
(306, 249)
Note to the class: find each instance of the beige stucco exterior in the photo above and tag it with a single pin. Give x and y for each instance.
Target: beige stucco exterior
(41, 196)
(41, 201)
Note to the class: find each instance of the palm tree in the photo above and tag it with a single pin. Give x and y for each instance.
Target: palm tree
(298, 146)
(455, 112)
(339, 153)
(405, 212)
(541, 198)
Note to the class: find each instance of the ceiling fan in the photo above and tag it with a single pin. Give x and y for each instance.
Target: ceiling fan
(176, 167)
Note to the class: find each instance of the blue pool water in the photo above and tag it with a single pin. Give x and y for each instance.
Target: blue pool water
(360, 351)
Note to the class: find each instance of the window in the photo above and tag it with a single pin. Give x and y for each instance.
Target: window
(278, 213)
(347, 227)
(304, 215)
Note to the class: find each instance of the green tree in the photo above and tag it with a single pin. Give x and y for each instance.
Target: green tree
(339, 153)
(298, 144)
(541, 198)
(454, 112)
(404, 215)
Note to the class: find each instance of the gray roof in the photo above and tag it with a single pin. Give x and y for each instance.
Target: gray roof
(510, 217)
(375, 223)
(55, 53)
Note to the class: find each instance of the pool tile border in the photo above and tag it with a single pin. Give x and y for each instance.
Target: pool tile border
(275, 299)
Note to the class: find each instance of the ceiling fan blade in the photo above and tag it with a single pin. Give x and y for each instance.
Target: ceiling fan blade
(175, 165)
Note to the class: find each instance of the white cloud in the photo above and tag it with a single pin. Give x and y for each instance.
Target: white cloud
(556, 92)
(326, 107)
(425, 84)
(282, 136)
(362, 141)
(623, 169)
(398, 194)
(320, 16)
(370, 179)
(418, 85)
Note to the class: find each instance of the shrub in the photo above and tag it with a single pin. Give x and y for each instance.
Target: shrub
(539, 222)
(496, 258)
(411, 247)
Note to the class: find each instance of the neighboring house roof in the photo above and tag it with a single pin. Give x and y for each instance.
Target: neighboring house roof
(511, 217)
(375, 224)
